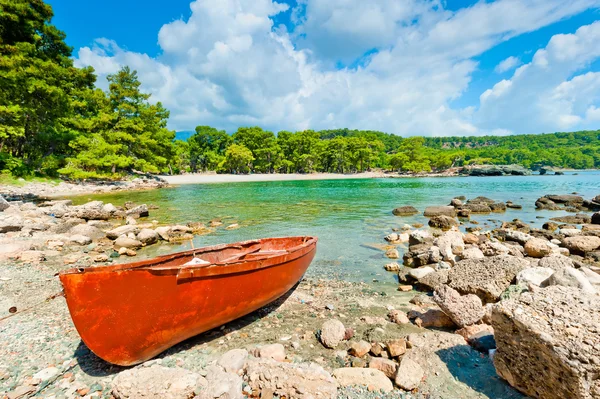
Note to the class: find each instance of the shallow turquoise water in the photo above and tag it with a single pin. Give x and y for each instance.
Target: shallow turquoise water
(348, 216)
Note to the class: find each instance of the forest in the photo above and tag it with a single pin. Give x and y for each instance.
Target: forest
(55, 122)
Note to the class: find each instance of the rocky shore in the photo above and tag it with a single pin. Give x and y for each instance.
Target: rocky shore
(29, 191)
(499, 314)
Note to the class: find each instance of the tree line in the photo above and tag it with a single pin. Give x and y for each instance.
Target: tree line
(54, 121)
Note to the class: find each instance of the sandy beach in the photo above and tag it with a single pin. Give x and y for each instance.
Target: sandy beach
(206, 178)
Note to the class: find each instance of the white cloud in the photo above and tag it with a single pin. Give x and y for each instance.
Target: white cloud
(547, 94)
(227, 65)
(507, 64)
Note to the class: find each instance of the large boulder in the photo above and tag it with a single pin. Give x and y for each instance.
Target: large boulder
(290, 380)
(570, 277)
(596, 218)
(138, 211)
(431, 211)
(565, 199)
(487, 278)
(573, 219)
(534, 275)
(175, 233)
(156, 382)
(478, 207)
(405, 211)
(556, 262)
(409, 374)
(581, 244)
(463, 310)
(548, 343)
(221, 384)
(147, 236)
(91, 211)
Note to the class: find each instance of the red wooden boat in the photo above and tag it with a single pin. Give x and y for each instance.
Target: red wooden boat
(128, 313)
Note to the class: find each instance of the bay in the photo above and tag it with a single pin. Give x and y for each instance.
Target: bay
(350, 217)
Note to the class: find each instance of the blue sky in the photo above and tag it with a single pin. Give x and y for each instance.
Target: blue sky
(413, 67)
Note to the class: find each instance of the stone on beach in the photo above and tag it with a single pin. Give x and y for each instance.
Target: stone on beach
(409, 374)
(233, 361)
(534, 275)
(147, 236)
(359, 349)
(122, 230)
(126, 242)
(88, 231)
(3, 204)
(221, 385)
(537, 248)
(156, 382)
(80, 239)
(373, 379)
(463, 310)
(582, 244)
(386, 366)
(290, 380)
(548, 343)
(570, 277)
(487, 278)
(271, 351)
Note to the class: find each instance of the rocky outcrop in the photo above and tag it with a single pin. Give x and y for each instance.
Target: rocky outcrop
(548, 343)
(495, 170)
(405, 211)
(487, 278)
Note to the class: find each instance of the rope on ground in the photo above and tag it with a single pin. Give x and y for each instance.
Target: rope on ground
(16, 312)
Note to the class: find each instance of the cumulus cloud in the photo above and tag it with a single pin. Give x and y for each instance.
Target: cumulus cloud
(547, 94)
(228, 65)
(507, 64)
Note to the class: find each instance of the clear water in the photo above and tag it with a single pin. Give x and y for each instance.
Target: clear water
(350, 217)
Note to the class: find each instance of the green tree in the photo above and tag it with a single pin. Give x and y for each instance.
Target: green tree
(126, 134)
(238, 159)
(38, 83)
(263, 145)
(207, 148)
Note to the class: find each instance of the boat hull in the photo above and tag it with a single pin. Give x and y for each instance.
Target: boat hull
(129, 315)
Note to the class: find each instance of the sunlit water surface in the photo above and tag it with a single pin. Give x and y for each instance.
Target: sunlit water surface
(350, 217)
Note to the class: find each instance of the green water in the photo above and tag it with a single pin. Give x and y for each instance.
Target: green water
(348, 216)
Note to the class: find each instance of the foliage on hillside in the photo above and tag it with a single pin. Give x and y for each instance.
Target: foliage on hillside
(55, 122)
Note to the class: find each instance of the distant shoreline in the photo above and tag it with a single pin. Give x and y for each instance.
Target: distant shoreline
(212, 178)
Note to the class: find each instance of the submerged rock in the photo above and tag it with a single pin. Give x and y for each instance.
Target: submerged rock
(548, 343)
(405, 211)
(431, 211)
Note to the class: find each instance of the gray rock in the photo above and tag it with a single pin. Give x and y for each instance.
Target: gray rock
(419, 237)
(477, 207)
(234, 360)
(463, 310)
(147, 236)
(139, 211)
(126, 242)
(332, 333)
(420, 272)
(89, 231)
(10, 223)
(156, 382)
(432, 280)
(556, 262)
(564, 199)
(548, 345)
(80, 239)
(409, 374)
(570, 277)
(271, 351)
(221, 385)
(534, 275)
(122, 230)
(487, 278)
